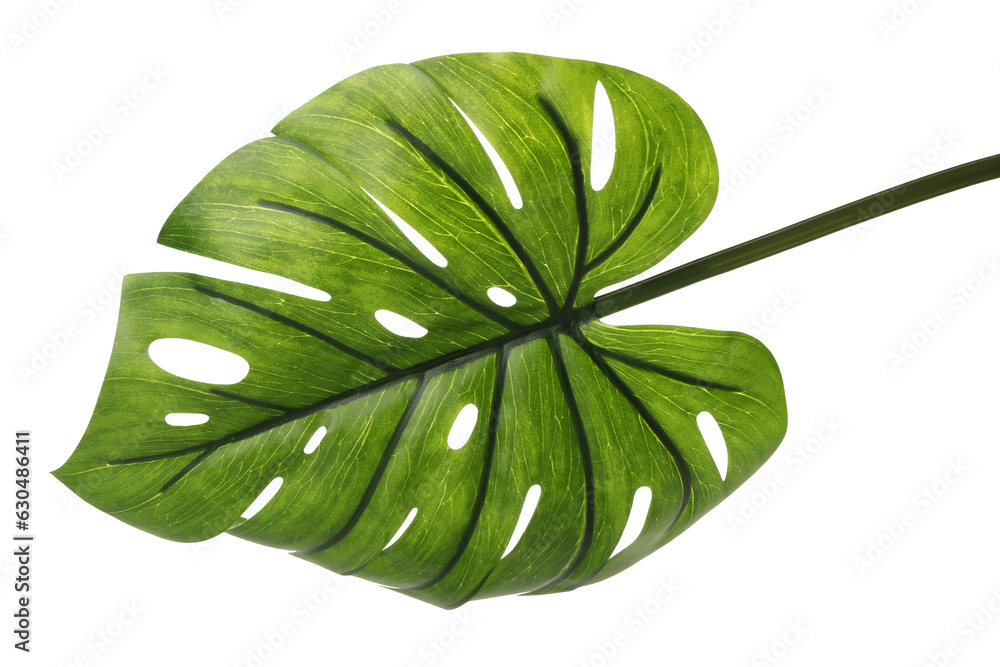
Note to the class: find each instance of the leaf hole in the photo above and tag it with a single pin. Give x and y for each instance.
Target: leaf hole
(461, 428)
(602, 140)
(264, 498)
(527, 511)
(399, 325)
(185, 418)
(416, 238)
(314, 441)
(636, 518)
(215, 268)
(402, 528)
(715, 441)
(196, 361)
(501, 297)
(502, 171)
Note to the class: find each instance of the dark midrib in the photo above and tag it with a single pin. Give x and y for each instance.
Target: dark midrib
(579, 194)
(484, 206)
(376, 479)
(442, 363)
(395, 254)
(432, 366)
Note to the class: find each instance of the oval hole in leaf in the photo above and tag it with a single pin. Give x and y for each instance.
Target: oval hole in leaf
(416, 238)
(264, 498)
(636, 518)
(185, 418)
(399, 325)
(502, 171)
(602, 141)
(215, 268)
(527, 511)
(715, 441)
(402, 529)
(196, 361)
(461, 428)
(501, 297)
(315, 440)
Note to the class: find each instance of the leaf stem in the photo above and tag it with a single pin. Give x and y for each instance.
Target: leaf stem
(818, 226)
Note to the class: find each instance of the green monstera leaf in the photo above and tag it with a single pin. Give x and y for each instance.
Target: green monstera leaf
(502, 287)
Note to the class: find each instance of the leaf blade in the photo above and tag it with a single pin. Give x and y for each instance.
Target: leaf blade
(586, 411)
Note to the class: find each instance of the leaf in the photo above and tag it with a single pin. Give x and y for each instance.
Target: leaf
(588, 411)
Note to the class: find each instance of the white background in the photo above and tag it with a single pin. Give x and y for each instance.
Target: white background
(227, 76)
